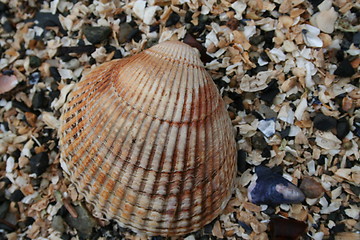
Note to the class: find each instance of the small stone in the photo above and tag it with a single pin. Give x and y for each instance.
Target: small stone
(342, 128)
(311, 188)
(4, 208)
(38, 100)
(84, 223)
(125, 30)
(47, 19)
(344, 69)
(324, 123)
(17, 196)
(356, 39)
(96, 35)
(8, 27)
(282, 228)
(55, 73)
(172, 20)
(34, 61)
(58, 224)
(39, 163)
(242, 165)
(270, 92)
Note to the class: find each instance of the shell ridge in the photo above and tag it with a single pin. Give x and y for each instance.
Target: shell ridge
(109, 154)
(84, 144)
(95, 147)
(66, 123)
(81, 141)
(167, 223)
(134, 83)
(174, 86)
(158, 174)
(164, 82)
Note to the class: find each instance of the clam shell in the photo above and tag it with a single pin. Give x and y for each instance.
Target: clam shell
(148, 142)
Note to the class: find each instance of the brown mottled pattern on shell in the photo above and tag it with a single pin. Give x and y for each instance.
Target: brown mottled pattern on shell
(148, 142)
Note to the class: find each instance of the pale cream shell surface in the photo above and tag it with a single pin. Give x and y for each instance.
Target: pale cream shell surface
(147, 140)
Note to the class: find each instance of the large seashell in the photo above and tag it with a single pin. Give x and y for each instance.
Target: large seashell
(148, 142)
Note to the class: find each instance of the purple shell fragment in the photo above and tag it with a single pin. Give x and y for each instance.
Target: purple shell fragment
(272, 189)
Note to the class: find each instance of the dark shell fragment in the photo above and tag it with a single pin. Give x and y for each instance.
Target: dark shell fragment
(272, 189)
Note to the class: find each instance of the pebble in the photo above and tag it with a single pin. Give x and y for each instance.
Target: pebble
(84, 223)
(272, 189)
(39, 163)
(38, 100)
(290, 229)
(324, 123)
(242, 165)
(311, 188)
(58, 224)
(270, 92)
(55, 73)
(46, 19)
(34, 61)
(125, 30)
(172, 20)
(77, 49)
(258, 141)
(356, 39)
(8, 27)
(342, 128)
(344, 69)
(96, 35)
(17, 196)
(4, 207)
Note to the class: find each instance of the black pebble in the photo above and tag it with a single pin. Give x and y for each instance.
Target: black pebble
(256, 39)
(321, 160)
(17, 196)
(134, 34)
(4, 208)
(323, 122)
(154, 28)
(172, 20)
(96, 35)
(285, 132)
(258, 141)
(342, 128)
(34, 61)
(344, 69)
(46, 19)
(188, 16)
(270, 92)
(39, 163)
(8, 27)
(77, 49)
(34, 78)
(3, 8)
(315, 3)
(117, 54)
(38, 100)
(356, 39)
(27, 222)
(21, 106)
(242, 165)
(268, 37)
(55, 73)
